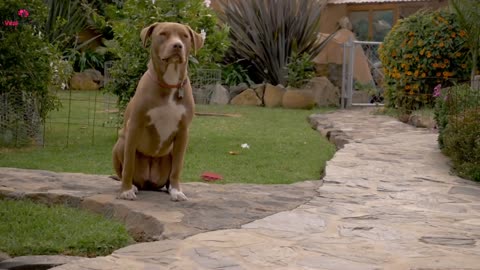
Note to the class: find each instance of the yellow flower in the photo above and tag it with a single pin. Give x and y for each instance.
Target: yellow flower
(441, 44)
(462, 33)
(453, 35)
(429, 54)
(422, 51)
(435, 65)
(416, 73)
(458, 54)
(409, 73)
(463, 66)
(424, 75)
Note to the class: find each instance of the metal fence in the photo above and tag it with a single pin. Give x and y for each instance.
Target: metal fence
(20, 122)
(85, 117)
(351, 51)
(203, 84)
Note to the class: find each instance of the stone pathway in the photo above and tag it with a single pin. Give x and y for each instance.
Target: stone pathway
(388, 202)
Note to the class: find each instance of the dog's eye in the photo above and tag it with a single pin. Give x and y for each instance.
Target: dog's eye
(163, 33)
(185, 35)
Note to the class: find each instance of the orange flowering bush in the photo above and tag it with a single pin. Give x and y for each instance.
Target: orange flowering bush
(420, 52)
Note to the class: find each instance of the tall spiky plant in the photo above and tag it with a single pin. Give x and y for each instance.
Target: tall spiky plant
(267, 32)
(65, 19)
(468, 14)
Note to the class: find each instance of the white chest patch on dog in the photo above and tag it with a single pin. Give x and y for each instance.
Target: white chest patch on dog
(166, 119)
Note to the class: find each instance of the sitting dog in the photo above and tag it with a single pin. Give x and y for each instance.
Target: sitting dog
(151, 146)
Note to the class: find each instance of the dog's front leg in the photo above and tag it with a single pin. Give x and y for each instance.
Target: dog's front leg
(178, 155)
(128, 189)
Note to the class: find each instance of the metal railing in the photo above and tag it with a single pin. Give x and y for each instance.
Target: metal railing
(348, 69)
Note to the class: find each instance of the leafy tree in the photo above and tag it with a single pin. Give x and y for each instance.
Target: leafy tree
(128, 20)
(468, 14)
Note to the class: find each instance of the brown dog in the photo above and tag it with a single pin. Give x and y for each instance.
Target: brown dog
(151, 146)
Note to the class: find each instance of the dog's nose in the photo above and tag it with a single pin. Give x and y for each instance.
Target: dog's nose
(178, 45)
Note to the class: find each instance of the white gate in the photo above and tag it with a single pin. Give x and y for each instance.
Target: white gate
(370, 49)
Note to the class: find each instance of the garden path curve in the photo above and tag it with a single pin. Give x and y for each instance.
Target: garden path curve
(388, 201)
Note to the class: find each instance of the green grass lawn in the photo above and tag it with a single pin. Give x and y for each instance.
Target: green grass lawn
(283, 147)
(28, 228)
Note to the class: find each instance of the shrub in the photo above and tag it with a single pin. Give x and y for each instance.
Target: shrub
(469, 18)
(25, 56)
(300, 70)
(457, 113)
(234, 74)
(420, 52)
(267, 33)
(129, 20)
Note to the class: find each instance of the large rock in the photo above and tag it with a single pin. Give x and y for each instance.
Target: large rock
(201, 95)
(247, 97)
(273, 96)
(235, 90)
(220, 95)
(4, 256)
(89, 79)
(38, 262)
(324, 92)
(260, 90)
(298, 99)
(360, 97)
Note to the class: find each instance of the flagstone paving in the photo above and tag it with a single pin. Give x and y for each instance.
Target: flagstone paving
(388, 201)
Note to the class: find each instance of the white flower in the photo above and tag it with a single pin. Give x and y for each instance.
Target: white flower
(207, 3)
(245, 146)
(203, 34)
(64, 86)
(153, 1)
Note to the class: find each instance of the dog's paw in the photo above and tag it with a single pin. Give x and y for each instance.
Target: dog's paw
(135, 189)
(177, 195)
(129, 194)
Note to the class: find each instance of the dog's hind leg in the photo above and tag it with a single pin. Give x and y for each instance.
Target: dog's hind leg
(117, 159)
(142, 170)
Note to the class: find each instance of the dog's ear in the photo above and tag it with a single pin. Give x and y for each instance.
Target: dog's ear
(146, 33)
(196, 39)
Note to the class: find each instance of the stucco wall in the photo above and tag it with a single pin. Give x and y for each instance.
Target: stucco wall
(333, 13)
(330, 17)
